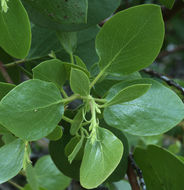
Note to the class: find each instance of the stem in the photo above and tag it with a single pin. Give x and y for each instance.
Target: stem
(14, 63)
(132, 177)
(100, 100)
(64, 93)
(100, 74)
(71, 58)
(5, 73)
(96, 79)
(67, 119)
(15, 185)
(25, 71)
(71, 98)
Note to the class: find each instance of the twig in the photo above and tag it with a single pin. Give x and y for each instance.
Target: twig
(5, 73)
(166, 53)
(132, 176)
(138, 171)
(165, 79)
(15, 185)
(25, 71)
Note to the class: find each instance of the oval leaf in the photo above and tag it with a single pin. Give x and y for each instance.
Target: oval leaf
(31, 176)
(97, 12)
(56, 134)
(127, 94)
(77, 121)
(11, 159)
(135, 42)
(158, 166)
(51, 71)
(15, 36)
(157, 111)
(79, 82)
(100, 159)
(60, 159)
(32, 109)
(48, 176)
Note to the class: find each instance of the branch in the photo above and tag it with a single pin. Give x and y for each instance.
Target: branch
(166, 53)
(168, 14)
(165, 79)
(5, 73)
(132, 167)
(132, 177)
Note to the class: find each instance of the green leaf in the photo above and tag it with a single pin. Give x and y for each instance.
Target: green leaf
(135, 42)
(56, 134)
(15, 36)
(5, 88)
(51, 71)
(43, 42)
(77, 121)
(126, 94)
(79, 82)
(68, 41)
(80, 63)
(76, 150)
(27, 187)
(102, 87)
(120, 185)
(168, 3)
(100, 159)
(11, 160)
(157, 111)
(58, 11)
(49, 177)
(97, 12)
(31, 177)
(60, 159)
(158, 166)
(86, 44)
(120, 171)
(32, 109)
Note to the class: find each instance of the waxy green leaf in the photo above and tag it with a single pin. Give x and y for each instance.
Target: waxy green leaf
(77, 121)
(31, 176)
(15, 36)
(69, 19)
(157, 111)
(79, 82)
(120, 171)
(68, 41)
(51, 71)
(60, 159)
(80, 63)
(48, 176)
(102, 87)
(100, 158)
(75, 149)
(126, 94)
(135, 42)
(159, 166)
(32, 109)
(11, 159)
(56, 134)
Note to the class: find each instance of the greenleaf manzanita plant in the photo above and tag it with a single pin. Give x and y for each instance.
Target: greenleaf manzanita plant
(87, 143)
